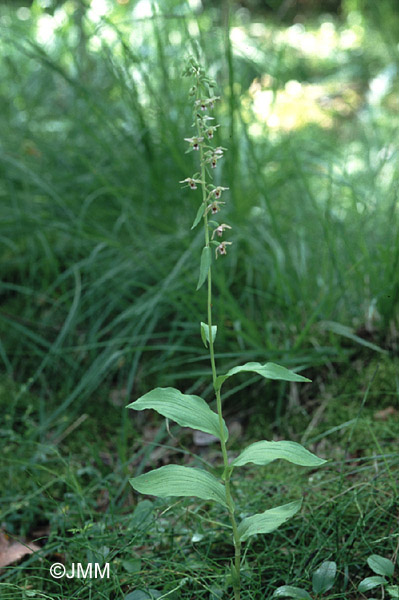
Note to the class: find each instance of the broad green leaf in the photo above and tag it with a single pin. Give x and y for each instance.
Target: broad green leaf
(205, 333)
(393, 590)
(381, 565)
(142, 515)
(371, 582)
(184, 409)
(132, 566)
(198, 216)
(323, 578)
(289, 591)
(269, 371)
(216, 593)
(267, 521)
(206, 259)
(175, 480)
(263, 453)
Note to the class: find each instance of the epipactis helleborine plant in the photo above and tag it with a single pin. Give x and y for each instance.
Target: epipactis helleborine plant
(192, 411)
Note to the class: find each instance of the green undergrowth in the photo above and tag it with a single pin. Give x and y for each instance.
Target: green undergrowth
(71, 494)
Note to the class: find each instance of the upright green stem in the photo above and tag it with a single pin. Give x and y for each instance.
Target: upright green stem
(227, 472)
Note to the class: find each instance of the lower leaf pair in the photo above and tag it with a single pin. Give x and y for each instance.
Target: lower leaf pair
(192, 411)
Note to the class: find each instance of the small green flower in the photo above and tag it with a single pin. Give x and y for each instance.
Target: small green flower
(221, 249)
(203, 104)
(219, 230)
(191, 182)
(219, 151)
(211, 156)
(210, 131)
(214, 207)
(194, 142)
(217, 192)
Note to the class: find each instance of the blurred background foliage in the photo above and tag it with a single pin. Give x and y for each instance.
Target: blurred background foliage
(98, 262)
(99, 269)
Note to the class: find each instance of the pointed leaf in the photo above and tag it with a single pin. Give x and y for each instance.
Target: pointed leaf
(267, 521)
(289, 591)
(323, 578)
(347, 332)
(206, 259)
(175, 480)
(205, 333)
(142, 515)
(185, 409)
(371, 582)
(199, 215)
(393, 590)
(263, 453)
(269, 371)
(381, 565)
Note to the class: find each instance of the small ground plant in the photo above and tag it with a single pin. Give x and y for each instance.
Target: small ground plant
(322, 582)
(192, 411)
(384, 570)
